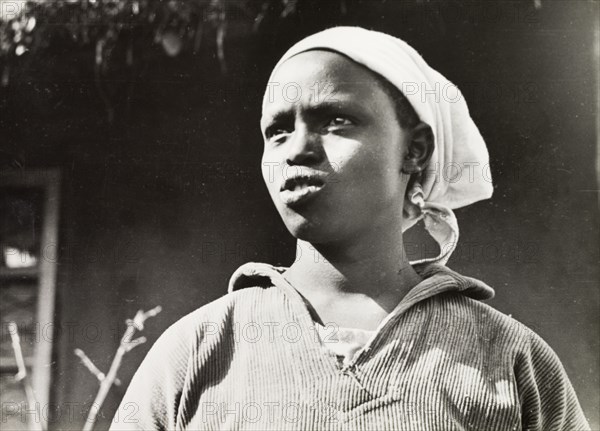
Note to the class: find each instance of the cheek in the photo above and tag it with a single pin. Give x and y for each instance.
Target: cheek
(364, 164)
(384, 158)
(271, 171)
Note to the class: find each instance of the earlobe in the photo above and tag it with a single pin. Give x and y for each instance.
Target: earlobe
(413, 202)
(420, 149)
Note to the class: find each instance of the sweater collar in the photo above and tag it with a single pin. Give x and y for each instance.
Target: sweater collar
(437, 279)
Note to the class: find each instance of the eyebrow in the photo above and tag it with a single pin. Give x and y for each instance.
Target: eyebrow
(280, 116)
(313, 110)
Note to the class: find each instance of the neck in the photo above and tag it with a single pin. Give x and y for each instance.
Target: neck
(372, 266)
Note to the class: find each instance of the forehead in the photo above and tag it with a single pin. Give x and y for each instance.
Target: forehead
(319, 76)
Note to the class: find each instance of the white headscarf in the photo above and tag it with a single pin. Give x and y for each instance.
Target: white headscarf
(458, 173)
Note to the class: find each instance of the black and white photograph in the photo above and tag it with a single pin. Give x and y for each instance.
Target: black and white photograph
(300, 215)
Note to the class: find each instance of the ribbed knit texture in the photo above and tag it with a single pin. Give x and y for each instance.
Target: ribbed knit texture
(440, 361)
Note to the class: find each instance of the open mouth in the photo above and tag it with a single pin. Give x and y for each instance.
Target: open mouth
(300, 189)
(302, 181)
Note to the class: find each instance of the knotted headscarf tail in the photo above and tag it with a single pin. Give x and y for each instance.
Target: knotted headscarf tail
(458, 173)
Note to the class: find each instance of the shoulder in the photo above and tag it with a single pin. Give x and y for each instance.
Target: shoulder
(491, 334)
(484, 318)
(174, 359)
(495, 328)
(213, 320)
(205, 328)
(233, 303)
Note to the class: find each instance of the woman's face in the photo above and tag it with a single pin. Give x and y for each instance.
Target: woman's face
(333, 149)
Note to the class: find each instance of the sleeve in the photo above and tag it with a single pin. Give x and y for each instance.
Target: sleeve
(548, 400)
(152, 399)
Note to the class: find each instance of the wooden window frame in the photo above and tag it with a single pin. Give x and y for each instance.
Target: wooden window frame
(45, 272)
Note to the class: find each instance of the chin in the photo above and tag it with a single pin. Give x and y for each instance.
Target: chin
(298, 225)
(312, 231)
(316, 224)
(300, 228)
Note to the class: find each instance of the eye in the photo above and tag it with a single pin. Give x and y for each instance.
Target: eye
(276, 132)
(339, 122)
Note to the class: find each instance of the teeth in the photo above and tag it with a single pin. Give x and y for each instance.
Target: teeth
(303, 186)
(305, 189)
(301, 183)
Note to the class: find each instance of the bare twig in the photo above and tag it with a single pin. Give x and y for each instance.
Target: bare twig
(127, 343)
(89, 364)
(23, 377)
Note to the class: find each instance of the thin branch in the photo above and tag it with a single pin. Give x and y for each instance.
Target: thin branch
(89, 364)
(127, 344)
(23, 377)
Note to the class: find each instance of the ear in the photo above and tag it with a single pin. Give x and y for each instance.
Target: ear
(413, 202)
(420, 149)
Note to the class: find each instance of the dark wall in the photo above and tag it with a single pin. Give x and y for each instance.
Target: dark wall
(162, 205)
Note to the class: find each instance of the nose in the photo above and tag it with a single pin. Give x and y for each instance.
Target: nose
(305, 147)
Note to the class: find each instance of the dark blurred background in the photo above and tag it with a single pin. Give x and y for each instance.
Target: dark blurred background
(162, 202)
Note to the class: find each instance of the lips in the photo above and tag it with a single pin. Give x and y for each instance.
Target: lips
(300, 189)
(299, 181)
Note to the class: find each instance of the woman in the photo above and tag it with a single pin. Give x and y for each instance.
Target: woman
(358, 131)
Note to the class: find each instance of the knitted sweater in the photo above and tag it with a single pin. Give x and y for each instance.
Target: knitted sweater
(441, 360)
